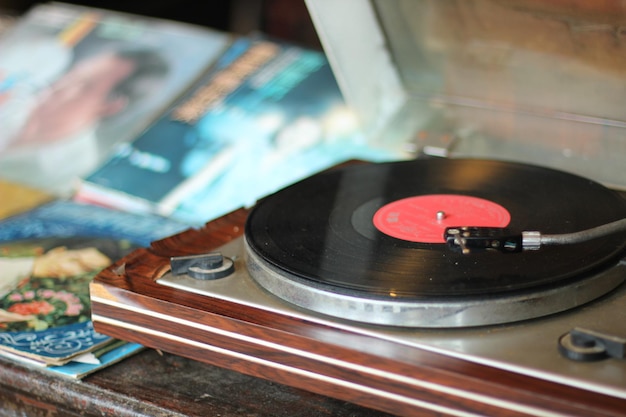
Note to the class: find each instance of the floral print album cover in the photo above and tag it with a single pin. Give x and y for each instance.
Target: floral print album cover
(44, 294)
(48, 256)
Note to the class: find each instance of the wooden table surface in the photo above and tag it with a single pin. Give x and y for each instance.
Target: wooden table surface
(153, 383)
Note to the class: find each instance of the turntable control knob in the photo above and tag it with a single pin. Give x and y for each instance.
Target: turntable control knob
(207, 266)
(588, 345)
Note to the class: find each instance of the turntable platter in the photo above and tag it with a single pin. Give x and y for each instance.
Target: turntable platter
(370, 232)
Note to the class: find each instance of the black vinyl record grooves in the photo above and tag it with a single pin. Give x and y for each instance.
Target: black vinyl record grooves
(321, 230)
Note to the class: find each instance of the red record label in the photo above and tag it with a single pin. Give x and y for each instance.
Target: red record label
(423, 219)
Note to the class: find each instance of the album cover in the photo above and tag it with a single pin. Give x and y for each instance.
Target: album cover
(76, 80)
(268, 114)
(17, 198)
(105, 356)
(48, 257)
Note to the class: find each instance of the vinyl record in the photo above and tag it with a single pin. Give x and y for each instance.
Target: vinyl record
(376, 230)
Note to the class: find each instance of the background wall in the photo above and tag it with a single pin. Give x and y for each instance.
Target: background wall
(286, 19)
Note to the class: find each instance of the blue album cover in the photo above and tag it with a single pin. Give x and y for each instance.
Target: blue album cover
(117, 353)
(267, 115)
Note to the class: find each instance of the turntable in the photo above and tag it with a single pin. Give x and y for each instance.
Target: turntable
(479, 283)
(345, 284)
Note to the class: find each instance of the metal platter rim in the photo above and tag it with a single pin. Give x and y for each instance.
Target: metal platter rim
(429, 313)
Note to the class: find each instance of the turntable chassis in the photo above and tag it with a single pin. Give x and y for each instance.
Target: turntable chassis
(336, 361)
